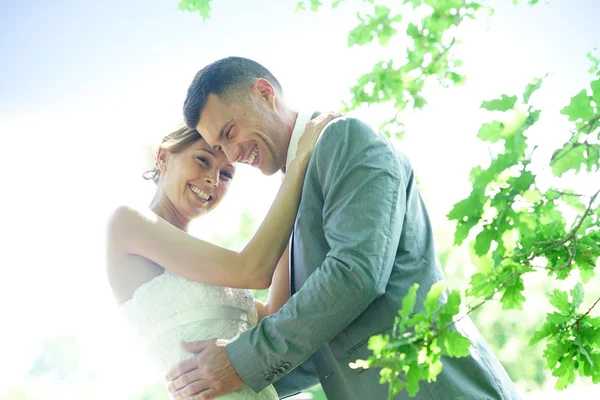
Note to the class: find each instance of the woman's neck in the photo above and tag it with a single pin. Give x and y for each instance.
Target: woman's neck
(163, 207)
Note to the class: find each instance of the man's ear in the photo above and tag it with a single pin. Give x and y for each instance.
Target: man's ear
(161, 160)
(265, 90)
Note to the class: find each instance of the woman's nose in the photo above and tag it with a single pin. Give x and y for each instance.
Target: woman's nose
(212, 179)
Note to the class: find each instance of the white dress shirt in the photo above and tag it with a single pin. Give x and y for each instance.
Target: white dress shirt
(299, 128)
(301, 121)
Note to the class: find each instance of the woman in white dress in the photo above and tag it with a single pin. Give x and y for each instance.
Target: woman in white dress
(173, 287)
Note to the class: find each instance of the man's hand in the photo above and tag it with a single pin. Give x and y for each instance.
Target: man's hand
(207, 375)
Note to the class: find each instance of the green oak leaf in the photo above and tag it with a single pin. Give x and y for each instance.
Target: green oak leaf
(531, 88)
(594, 372)
(595, 68)
(200, 6)
(595, 322)
(504, 103)
(555, 351)
(435, 368)
(533, 195)
(596, 93)
(565, 373)
(584, 352)
(560, 300)
(482, 286)
(513, 298)
(491, 131)
(454, 344)
(588, 334)
(484, 240)
(416, 319)
(467, 207)
(574, 201)
(577, 295)
(449, 309)
(552, 195)
(377, 343)
(522, 182)
(579, 108)
(586, 266)
(408, 306)
(569, 157)
(432, 301)
(314, 5)
(548, 329)
(412, 379)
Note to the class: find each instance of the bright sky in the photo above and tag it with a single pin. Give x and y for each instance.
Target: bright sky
(86, 88)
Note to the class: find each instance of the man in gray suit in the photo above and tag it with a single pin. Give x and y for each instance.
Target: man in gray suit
(362, 237)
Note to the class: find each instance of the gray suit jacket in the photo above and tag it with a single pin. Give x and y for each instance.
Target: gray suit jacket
(362, 237)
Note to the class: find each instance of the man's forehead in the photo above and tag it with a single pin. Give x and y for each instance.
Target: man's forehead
(213, 119)
(206, 128)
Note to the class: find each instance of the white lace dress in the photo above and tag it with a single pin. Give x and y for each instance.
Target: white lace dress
(169, 309)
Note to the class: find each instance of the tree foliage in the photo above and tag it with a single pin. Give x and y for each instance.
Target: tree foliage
(202, 7)
(514, 223)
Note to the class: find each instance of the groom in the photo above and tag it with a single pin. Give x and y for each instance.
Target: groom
(362, 238)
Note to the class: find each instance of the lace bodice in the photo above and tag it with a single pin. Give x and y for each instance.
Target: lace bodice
(169, 309)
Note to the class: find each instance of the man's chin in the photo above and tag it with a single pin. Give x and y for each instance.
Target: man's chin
(268, 169)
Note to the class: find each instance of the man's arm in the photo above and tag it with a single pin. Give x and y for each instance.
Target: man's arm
(364, 207)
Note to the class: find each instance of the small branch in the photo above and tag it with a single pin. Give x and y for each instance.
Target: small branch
(557, 154)
(572, 233)
(481, 303)
(571, 257)
(567, 194)
(586, 313)
(590, 309)
(591, 124)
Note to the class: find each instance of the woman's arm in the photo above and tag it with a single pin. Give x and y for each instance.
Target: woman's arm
(144, 233)
(279, 292)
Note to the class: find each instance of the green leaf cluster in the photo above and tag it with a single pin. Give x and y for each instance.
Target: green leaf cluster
(582, 150)
(573, 339)
(202, 7)
(428, 57)
(422, 335)
(379, 25)
(522, 229)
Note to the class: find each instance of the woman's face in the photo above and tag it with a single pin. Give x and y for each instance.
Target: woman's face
(196, 179)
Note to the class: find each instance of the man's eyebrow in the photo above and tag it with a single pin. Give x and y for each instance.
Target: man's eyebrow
(222, 131)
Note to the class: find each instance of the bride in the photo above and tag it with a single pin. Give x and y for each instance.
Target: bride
(172, 287)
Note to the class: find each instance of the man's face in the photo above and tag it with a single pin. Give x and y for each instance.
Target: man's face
(250, 132)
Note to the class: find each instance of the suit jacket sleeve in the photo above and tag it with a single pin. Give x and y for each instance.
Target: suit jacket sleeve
(361, 180)
(301, 378)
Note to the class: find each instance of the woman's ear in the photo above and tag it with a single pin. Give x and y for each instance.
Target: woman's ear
(161, 160)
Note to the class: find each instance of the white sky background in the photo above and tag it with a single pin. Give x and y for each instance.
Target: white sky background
(87, 87)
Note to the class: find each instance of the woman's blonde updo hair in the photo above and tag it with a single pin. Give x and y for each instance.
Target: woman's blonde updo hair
(174, 142)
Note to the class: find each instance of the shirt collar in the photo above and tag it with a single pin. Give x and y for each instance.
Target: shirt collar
(299, 127)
